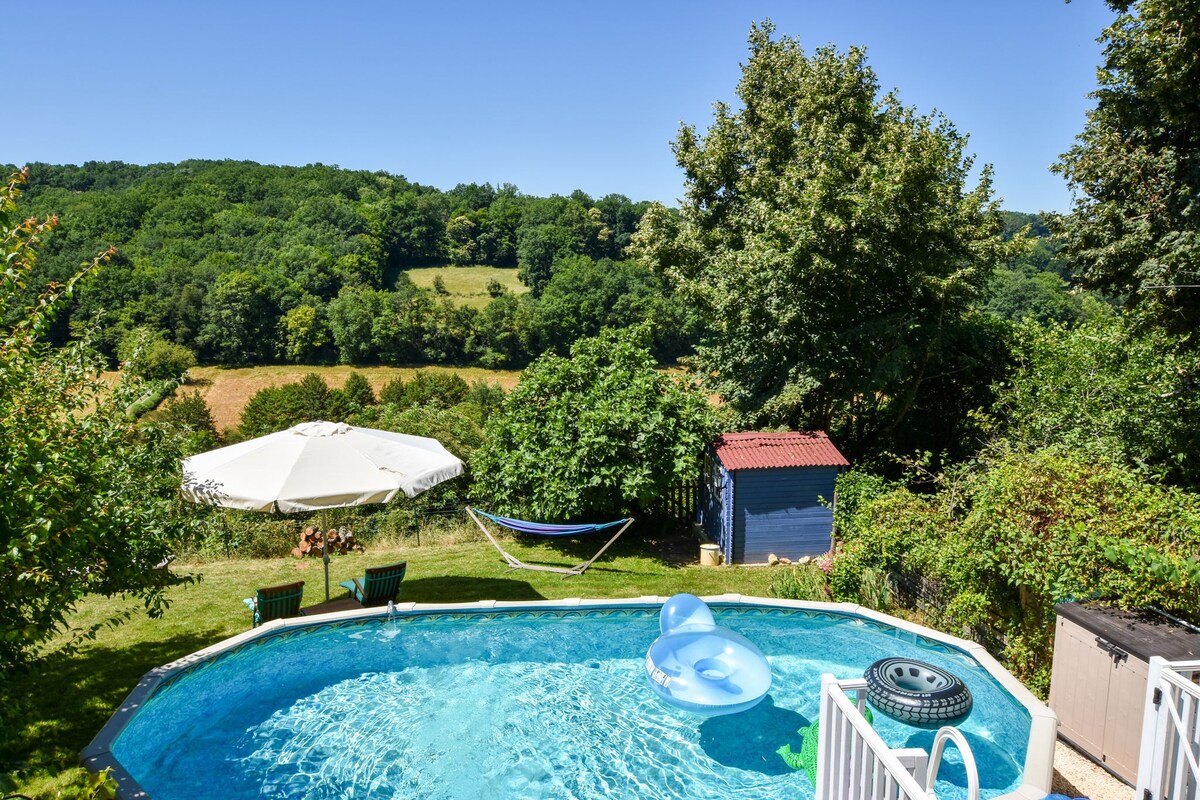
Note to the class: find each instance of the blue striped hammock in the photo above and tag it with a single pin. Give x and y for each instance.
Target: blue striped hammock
(546, 529)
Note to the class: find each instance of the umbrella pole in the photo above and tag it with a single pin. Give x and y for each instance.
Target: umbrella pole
(325, 551)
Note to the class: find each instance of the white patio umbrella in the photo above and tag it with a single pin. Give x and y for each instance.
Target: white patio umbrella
(317, 466)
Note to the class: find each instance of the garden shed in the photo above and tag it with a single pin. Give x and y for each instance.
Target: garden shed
(764, 493)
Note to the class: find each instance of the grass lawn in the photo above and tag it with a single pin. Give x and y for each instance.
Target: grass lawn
(228, 390)
(71, 697)
(468, 285)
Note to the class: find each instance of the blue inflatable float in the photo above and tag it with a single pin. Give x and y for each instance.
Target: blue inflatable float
(702, 667)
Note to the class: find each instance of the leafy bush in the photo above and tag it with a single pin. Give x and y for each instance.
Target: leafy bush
(358, 391)
(598, 433)
(800, 583)
(485, 398)
(147, 355)
(189, 414)
(1105, 390)
(996, 547)
(277, 408)
(441, 389)
(150, 398)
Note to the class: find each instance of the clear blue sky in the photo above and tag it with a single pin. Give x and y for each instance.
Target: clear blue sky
(550, 96)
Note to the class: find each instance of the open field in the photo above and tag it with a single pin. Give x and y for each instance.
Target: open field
(468, 285)
(71, 697)
(227, 390)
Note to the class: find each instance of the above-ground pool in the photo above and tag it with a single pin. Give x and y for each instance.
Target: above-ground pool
(529, 701)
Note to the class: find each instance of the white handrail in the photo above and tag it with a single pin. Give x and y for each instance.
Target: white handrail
(946, 733)
(854, 763)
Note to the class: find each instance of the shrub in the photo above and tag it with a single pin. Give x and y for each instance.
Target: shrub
(190, 414)
(995, 548)
(277, 408)
(88, 500)
(598, 433)
(392, 392)
(441, 389)
(800, 583)
(145, 354)
(358, 391)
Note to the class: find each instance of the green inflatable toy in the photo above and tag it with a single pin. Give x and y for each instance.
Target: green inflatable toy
(806, 759)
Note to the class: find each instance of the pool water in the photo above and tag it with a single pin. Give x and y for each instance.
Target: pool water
(538, 704)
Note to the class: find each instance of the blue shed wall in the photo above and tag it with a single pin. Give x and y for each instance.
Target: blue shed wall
(778, 511)
(714, 508)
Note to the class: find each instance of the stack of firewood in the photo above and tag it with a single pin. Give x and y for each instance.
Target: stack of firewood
(340, 541)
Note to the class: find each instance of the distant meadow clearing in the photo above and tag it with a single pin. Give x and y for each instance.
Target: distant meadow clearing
(467, 286)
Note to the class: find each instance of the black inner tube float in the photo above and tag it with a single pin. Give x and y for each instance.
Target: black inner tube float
(915, 692)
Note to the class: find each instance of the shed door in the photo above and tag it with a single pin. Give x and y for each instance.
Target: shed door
(1099, 699)
(1079, 686)
(1126, 703)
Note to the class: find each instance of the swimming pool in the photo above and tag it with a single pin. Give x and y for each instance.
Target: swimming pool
(540, 700)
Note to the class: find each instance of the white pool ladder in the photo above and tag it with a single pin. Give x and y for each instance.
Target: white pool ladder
(854, 763)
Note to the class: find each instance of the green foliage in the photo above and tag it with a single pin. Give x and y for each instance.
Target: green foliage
(239, 321)
(1135, 169)
(485, 397)
(239, 261)
(1169, 579)
(1105, 391)
(392, 392)
(148, 356)
(277, 408)
(800, 583)
(997, 545)
(85, 495)
(358, 391)
(152, 395)
(440, 389)
(814, 180)
(189, 414)
(584, 296)
(874, 590)
(1041, 296)
(304, 334)
(598, 433)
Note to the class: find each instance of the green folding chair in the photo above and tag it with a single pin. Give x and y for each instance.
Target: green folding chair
(379, 586)
(276, 602)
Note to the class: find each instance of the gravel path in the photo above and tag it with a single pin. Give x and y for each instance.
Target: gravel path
(1077, 776)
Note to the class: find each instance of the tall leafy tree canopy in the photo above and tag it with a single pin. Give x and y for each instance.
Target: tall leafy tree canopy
(86, 495)
(828, 233)
(1134, 230)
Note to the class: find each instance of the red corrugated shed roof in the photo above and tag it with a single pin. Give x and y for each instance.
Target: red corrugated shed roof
(771, 450)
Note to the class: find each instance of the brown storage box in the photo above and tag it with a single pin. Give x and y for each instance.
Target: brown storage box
(1098, 683)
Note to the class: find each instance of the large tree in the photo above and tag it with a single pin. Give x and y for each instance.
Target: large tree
(828, 234)
(1134, 230)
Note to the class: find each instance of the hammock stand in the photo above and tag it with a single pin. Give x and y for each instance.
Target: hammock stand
(542, 529)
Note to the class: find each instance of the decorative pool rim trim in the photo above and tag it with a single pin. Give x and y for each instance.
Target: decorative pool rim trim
(1039, 751)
